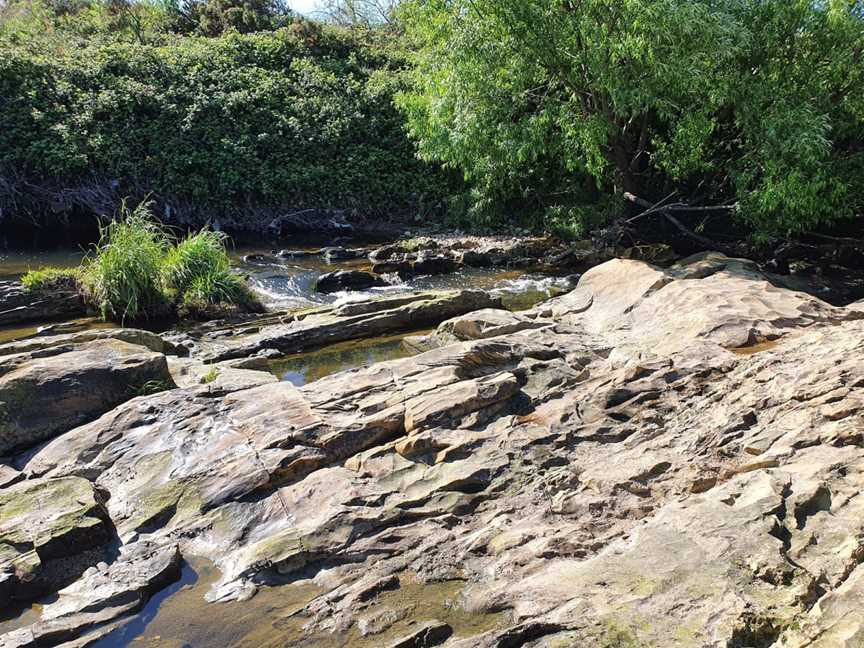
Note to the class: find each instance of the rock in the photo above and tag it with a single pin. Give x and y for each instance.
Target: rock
(297, 254)
(220, 378)
(19, 305)
(433, 264)
(337, 254)
(48, 529)
(260, 259)
(48, 391)
(348, 280)
(430, 633)
(600, 470)
(137, 337)
(485, 323)
(101, 596)
(355, 320)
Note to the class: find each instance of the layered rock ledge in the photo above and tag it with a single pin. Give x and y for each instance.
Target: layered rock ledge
(657, 458)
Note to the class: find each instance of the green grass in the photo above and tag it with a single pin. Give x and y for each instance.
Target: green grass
(139, 271)
(196, 256)
(122, 275)
(52, 279)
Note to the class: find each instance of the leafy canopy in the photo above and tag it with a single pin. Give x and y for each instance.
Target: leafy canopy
(557, 103)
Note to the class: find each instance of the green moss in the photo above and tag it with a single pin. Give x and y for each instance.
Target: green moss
(50, 278)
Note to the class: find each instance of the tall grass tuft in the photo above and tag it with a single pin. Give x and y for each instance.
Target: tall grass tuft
(137, 271)
(195, 256)
(122, 275)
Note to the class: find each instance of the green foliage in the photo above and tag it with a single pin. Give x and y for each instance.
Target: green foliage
(195, 256)
(136, 271)
(122, 275)
(297, 118)
(554, 103)
(215, 288)
(210, 376)
(52, 279)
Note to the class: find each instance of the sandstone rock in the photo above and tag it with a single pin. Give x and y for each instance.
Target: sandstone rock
(347, 322)
(18, 305)
(597, 471)
(348, 280)
(48, 391)
(47, 531)
(137, 337)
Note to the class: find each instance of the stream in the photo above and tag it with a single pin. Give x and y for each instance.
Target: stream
(289, 284)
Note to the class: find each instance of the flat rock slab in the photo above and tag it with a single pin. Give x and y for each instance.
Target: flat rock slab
(43, 524)
(18, 305)
(46, 392)
(347, 322)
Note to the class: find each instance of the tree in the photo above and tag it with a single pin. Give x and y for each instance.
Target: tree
(751, 102)
(366, 13)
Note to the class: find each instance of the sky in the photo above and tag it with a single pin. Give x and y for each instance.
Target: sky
(304, 6)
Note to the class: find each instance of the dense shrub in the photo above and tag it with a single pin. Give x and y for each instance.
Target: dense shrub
(554, 104)
(298, 118)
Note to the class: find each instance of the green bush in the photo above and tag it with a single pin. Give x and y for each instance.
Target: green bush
(136, 271)
(298, 118)
(540, 104)
(195, 256)
(122, 275)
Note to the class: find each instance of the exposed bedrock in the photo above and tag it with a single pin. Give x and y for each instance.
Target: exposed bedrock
(658, 458)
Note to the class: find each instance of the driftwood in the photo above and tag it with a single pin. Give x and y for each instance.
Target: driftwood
(666, 209)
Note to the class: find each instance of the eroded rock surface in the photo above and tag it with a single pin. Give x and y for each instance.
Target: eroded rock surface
(46, 391)
(658, 458)
(18, 305)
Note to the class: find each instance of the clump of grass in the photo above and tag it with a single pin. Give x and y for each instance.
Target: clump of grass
(196, 256)
(122, 275)
(218, 289)
(137, 271)
(52, 279)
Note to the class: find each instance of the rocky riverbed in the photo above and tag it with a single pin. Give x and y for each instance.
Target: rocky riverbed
(659, 457)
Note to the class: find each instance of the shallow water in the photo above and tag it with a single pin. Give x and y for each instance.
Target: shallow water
(303, 368)
(179, 616)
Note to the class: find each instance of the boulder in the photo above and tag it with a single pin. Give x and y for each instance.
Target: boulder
(348, 280)
(337, 254)
(46, 392)
(430, 263)
(49, 529)
(19, 305)
(351, 321)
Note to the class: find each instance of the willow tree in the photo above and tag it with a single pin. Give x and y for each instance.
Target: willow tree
(752, 103)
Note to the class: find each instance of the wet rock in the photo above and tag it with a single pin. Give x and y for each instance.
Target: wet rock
(48, 528)
(260, 259)
(347, 322)
(348, 280)
(103, 595)
(297, 254)
(338, 254)
(433, 264)
(19, 305)
(48, 391)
